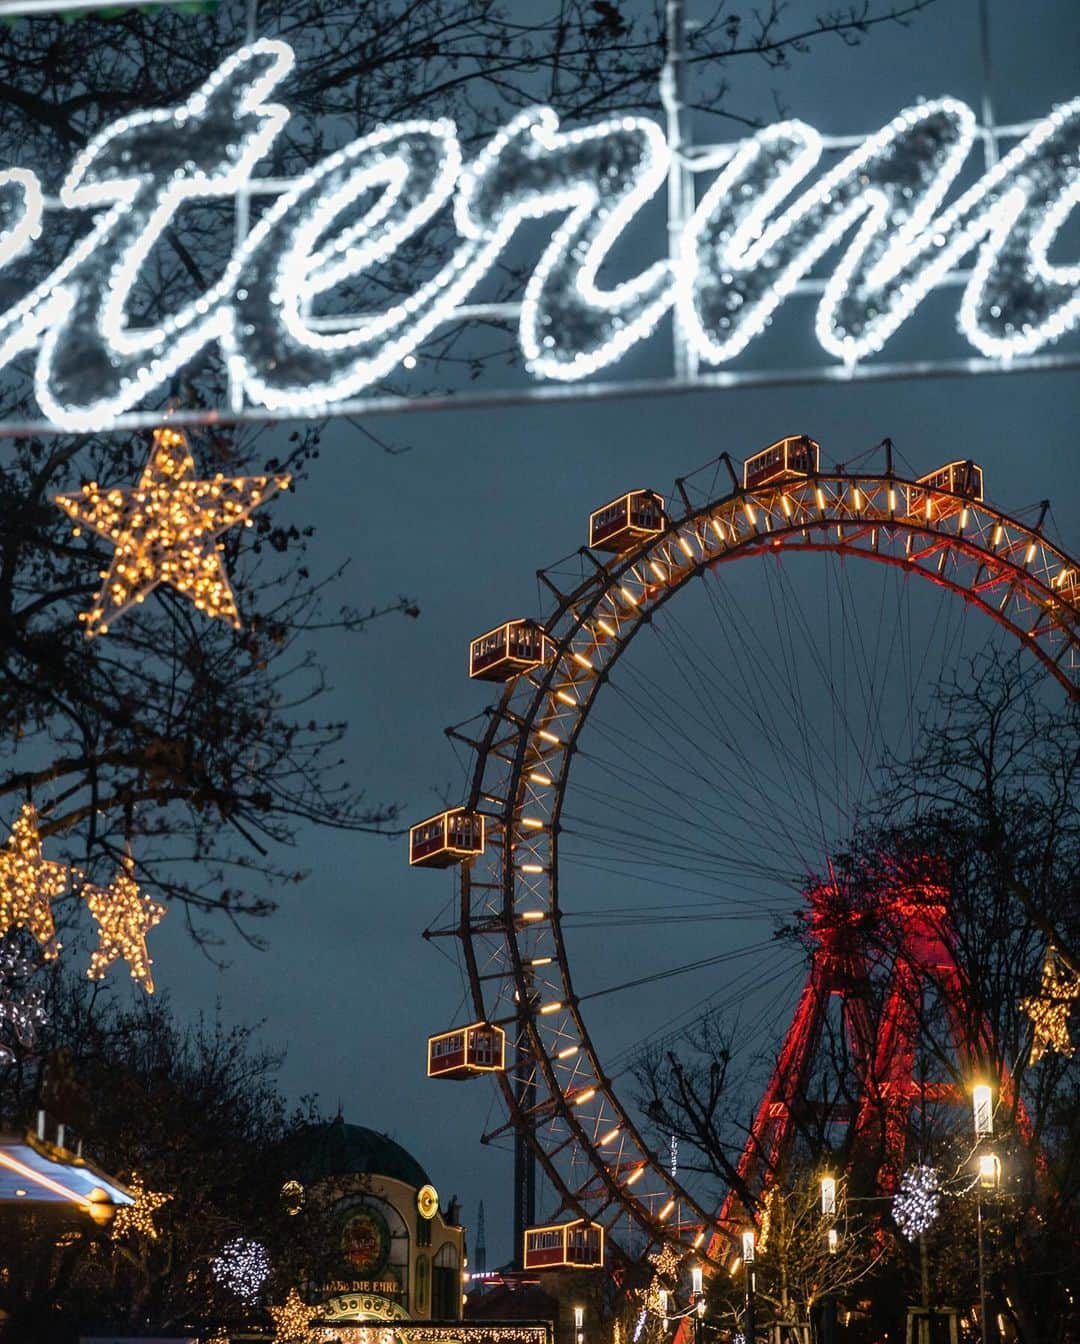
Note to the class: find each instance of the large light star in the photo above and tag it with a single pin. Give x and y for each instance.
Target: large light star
(125, 916)
(165, 531)
(1049, 1009)
(28, 882)
(291, 1321)
(138, 1217)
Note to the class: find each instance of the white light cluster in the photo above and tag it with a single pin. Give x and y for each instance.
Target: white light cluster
(917, 1201)
(22, 1005)
(242, 1266)
(737, 262)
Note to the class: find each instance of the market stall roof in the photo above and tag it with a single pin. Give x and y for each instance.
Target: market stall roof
(35, 1172)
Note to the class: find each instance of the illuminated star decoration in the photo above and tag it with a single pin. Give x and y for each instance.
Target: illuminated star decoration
(165, 530)
(917, 1201)
(28, 882)
(22, 1009)
(1049, 1009)
(291, 1320)
(139, 1216)
(125, 916)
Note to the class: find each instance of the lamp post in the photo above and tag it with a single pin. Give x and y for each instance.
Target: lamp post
(832, 1240)
(748, 1264)
(697, 1288)
(989, 1169)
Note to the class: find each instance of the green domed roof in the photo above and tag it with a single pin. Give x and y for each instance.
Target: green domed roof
(338, 1149)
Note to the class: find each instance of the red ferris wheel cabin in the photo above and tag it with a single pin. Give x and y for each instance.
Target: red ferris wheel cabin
(467, 1052)
(785, 460)
(448, 838)
(958, 478)
(579, 1244)
(627, 520)
(507, 650)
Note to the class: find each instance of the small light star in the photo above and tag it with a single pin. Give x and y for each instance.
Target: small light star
(291, 1320)
(28, 882)
(139, 1216)
(165, 530)
(1049, 1009)
(125, 916)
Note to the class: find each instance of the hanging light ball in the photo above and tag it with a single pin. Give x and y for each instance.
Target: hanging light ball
(917, 1201)
(242, 1266)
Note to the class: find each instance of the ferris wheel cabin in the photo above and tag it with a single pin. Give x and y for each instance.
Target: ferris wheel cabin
(788, 459)
(578, 1244)
(627, 520)
(467, 1052)
(964, 479)
(507, 650)
(446, 839)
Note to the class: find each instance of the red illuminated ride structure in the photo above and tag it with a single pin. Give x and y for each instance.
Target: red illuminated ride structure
(872, 960)
(880, 957)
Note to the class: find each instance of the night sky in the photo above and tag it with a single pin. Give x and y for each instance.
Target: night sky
(462, 521)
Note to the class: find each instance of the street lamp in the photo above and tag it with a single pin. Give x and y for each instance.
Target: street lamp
(828, 1197)
(989, 1176)
(748, 1262)
(579, 1324)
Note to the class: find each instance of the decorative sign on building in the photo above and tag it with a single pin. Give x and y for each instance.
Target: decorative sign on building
(889, 215)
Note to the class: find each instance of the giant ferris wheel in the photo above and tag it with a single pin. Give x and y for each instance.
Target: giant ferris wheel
(679, 748)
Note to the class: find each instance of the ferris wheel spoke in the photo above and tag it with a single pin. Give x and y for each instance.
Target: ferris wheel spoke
(742, 704)
(758, 781)
(770, 890)
(674, 816)
(670, 855)
(643, 763)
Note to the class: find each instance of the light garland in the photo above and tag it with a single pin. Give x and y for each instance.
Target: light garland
(1049, 1009)
(164, 531)
(29, 882)
(124, 917)
(242, 1266)
(739, 264)
(22, 1007)
(292, 1319)
(735, 262)
(917, 1201)
(137, 1218)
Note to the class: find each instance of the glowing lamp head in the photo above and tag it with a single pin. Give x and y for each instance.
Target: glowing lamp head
(989, 1171)
(695, 1280)
(834, 1240)
(748, 1246)
(983, 1106)
(828, 1196)
(579, 1318)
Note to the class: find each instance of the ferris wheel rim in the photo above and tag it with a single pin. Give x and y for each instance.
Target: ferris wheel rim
(581, 605)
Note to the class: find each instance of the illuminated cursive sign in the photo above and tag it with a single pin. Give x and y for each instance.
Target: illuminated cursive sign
(757, 233)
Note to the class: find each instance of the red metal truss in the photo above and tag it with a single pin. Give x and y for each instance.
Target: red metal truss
(910, 907)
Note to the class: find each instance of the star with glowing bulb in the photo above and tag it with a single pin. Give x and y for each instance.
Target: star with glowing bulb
(28, 882)
(124, 916)
(1049, 1009)
(138, 1217)
(291, 1320)
(165, 531)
